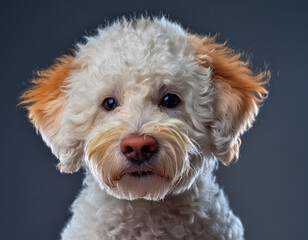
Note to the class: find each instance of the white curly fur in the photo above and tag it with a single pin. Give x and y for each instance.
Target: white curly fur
(137, 62)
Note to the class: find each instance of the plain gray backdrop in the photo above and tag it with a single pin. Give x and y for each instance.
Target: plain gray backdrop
(267, 188)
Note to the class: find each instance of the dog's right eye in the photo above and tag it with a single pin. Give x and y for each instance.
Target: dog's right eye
(110, 104)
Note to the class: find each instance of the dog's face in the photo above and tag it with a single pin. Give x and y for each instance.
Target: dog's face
(145, 106)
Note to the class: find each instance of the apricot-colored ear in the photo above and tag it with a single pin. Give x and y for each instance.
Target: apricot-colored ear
(46, 101)
(239, 93)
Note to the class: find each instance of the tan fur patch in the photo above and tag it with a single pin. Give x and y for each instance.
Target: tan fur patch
(101, 156)
(228, 67)
(45, 99)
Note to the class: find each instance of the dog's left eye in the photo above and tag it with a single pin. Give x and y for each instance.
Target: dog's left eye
(170, 100)
(110, 104)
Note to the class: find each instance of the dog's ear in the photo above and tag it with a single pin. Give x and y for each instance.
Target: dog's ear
(238, 94)
(46, 103)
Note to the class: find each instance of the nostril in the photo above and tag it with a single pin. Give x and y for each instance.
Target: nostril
(145, 149)
(148, 148)
(128, 149)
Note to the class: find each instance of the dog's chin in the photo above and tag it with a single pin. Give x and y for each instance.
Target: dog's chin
(141, 185)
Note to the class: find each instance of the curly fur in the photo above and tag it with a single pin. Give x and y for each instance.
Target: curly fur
(137, 62)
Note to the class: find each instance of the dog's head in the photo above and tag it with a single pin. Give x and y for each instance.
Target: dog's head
(144, 106)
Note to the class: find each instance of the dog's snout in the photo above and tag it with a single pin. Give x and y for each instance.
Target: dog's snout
(138, 148)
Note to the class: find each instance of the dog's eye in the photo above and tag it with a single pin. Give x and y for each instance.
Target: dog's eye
(170, 100)
(110, 104)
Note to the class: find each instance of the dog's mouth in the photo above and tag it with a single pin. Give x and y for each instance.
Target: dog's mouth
(144, 173)
(140, 174)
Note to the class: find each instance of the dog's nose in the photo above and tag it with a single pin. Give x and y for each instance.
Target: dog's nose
(138, 148)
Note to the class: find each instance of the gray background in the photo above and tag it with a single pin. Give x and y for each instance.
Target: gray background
(267, 188)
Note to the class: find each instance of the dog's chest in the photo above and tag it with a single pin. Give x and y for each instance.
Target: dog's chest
(99, 216)
(152, 220)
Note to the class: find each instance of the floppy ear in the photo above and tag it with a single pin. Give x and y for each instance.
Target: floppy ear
(238, 94)
(46, 102)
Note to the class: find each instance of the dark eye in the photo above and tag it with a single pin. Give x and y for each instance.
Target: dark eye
(110, 104)
(170, 100)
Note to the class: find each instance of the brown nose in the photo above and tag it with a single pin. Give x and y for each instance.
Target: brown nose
(138, 148)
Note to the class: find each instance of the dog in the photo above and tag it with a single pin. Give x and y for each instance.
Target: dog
(147, 109)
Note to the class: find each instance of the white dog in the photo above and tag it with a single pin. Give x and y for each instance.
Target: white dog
(147, 109)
